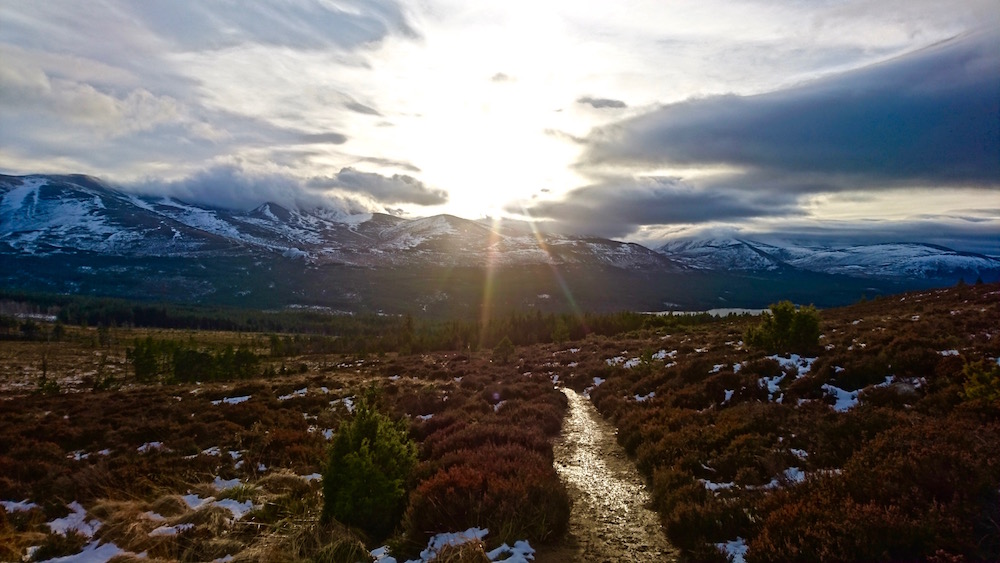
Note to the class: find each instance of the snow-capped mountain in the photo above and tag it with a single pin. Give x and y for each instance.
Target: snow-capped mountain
(48, 215)
(886, 260)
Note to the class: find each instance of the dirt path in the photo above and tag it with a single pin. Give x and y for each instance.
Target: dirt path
(610, 520)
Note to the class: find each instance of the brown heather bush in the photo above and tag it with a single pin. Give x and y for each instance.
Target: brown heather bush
(525, 501)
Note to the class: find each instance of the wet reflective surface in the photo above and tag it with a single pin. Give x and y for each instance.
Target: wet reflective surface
(610, 521)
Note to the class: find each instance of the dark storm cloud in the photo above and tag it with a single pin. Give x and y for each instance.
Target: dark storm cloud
(601, 103)
(398, 188)
(928, 118)
(614, 208)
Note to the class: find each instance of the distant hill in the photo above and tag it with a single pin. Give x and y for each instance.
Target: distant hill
(78, 234)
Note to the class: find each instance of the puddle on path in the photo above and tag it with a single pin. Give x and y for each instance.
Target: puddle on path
(610, 519)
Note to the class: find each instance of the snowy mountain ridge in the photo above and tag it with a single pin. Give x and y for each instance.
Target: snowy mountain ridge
(880, 260)
(47, 215)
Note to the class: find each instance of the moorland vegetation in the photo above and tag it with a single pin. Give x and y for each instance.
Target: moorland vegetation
(865, 432)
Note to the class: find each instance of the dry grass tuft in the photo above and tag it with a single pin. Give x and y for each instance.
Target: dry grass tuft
(469, 552)
(169, 506)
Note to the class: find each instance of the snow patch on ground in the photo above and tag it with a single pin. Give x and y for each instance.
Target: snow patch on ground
(149, 446)
(297, 393)
(735, 550)
(238, 509)
(93, 552)
(846, 400)
(17, 506)
(521, 552)
(794, 361)
(232, 400)
(76, 520)
(170, 530)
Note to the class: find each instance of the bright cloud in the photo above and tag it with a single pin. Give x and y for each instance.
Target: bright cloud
(633, 119)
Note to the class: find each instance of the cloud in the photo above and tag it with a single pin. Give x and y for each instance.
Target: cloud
(235, 186)
(501, 77)
(231, 186)
(601, 103)
(299, 24)
(928, 118)
(323, 138)
(617, 207)
(395, 189)
(358, 107)
(390, 163)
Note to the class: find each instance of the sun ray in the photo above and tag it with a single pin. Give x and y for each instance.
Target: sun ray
(563, 286)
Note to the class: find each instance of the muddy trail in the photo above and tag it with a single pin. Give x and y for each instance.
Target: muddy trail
(610, 520)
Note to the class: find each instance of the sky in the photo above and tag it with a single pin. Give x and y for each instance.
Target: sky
(639, 120)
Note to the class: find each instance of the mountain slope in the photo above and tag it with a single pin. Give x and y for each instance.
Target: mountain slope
(43, 215)
(876, 261)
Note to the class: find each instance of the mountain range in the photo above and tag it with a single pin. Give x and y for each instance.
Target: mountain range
(78, 234)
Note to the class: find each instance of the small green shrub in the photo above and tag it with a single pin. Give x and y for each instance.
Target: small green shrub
(982, 380)
(785, 329)
(368, 471)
